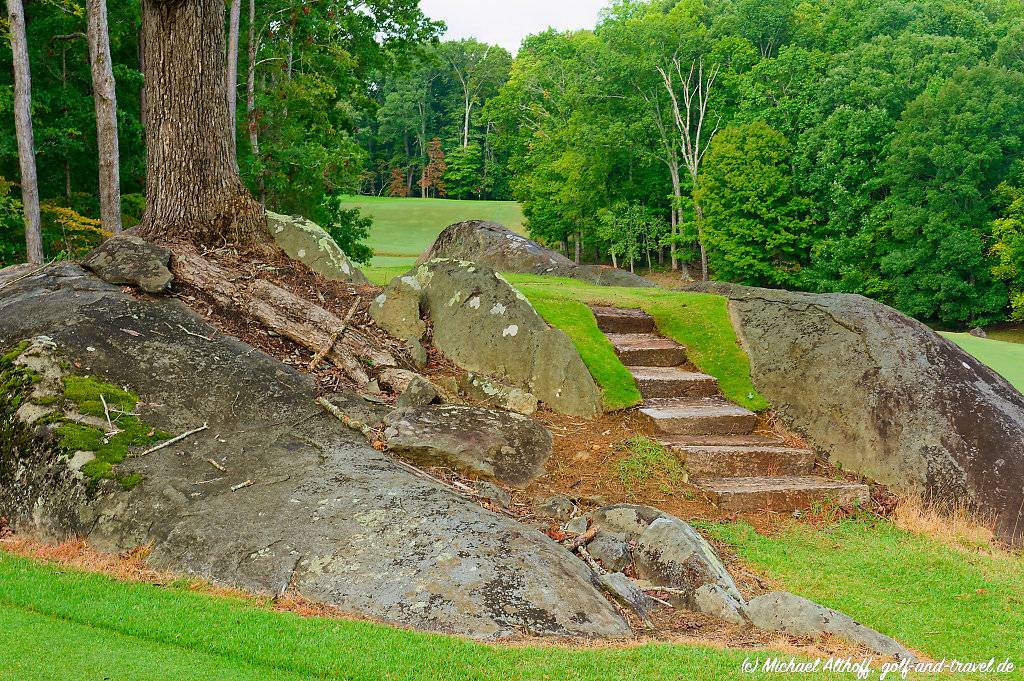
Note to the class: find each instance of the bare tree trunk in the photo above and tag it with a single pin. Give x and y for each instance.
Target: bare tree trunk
(232, 55)
(193, 188)
(465, 121)
(23, 125)
(142, 69)
(579, 246)
(104, 97)
(615, 260)
(250, 98)
(677, 196)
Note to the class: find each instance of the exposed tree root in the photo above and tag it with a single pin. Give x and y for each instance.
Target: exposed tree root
(284, 313)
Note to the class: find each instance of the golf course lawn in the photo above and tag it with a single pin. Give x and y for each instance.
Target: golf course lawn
(404, 228)
(59, 623)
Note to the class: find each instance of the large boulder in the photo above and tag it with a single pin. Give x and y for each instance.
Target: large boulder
(485, 326)
(491, 244)
(325, 513)
(884, 396)
(308, 242)
(509, 447)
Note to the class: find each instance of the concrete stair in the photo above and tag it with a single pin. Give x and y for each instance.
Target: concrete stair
(737, 469)
(698, 416)
(647, 350)
(673, 382)
(780, 493)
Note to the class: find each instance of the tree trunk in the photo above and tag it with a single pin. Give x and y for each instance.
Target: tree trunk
(615, 260)
(677, 195)
(193, 188)
(142, 69)
(232, 55)
(105, 99)
(465, 122)
(23, 125)
(699, 214)
(250, 99)
(579, 246)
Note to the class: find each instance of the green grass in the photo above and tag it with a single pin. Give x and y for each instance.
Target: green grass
(1010, 335)
(936, 599)
(647, 459)
(100, 628)
(404, 228)
(698, 321)
(1007, 359)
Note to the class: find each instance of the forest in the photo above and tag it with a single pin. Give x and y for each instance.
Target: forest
(865, 146)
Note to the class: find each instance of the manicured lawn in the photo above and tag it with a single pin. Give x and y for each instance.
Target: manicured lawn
(942, 601)
(1007, 359)
(404, 228)
(57, 623)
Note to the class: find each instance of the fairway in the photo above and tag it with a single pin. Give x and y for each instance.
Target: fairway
(404, 228)
(1007, 359)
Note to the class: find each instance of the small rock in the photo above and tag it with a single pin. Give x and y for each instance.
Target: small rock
(419, 393)
(611, 550)
(495, 394)
(712, 599)
(488, 491)
(417, 353)
(979, 332)
(397, 309)
(396, 380)
(80, 458)
(126, 259)
(577, 525)
(795, 615)
(559, 507)
(622, 589)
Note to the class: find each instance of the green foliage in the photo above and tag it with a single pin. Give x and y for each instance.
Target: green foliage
(631, 231)
(647, 460)
(1008, 247)
(464, 176)
(349, 228)
(757, 229)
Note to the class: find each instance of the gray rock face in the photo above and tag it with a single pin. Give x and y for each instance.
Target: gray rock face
(886, 397)
(559, 507)
(485, 326)
(712, 599)
(397, 310)
(798, 616)
(491, 244)
(328, 514)
(508, 447)
(611, 550)
(308, 242)
(668, 551)
(419, 393)
(127, 260)
(624, 590)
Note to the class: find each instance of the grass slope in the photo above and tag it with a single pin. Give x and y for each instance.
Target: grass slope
(100, 628)
(698, 321)
(404, 228)
(939, 600)
(1007, 359)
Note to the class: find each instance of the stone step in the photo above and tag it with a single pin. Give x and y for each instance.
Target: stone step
(647, 350)
(673, 382)
(732, 461)
(752, 440)
(623, 320)
(780, 494)
(698, 416)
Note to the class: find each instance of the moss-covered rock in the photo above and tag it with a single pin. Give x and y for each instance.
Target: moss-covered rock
(308, 242)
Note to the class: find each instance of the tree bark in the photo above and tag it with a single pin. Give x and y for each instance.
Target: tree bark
(579, 246)
(232, 55)
(193, 188)
(105, 100)
(23, 125)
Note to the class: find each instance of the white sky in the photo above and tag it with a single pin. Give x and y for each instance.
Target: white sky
(507, 22)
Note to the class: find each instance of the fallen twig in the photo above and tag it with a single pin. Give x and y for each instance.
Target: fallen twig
(585, 555)
(174, 440)
(352, 423)
(580, 540)
(106, 411)
(14, 281)
(217, 465)
(666, 589)
(319, 356)
(243, 485)
(658, 600)
(193, 333)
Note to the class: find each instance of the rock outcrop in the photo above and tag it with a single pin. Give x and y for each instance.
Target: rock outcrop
(508, 447)
(485, 326)
(491, 244)
(325, 513)
(308, 242)
(884, 396)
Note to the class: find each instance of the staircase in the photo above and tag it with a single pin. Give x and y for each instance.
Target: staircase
(738, 470)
